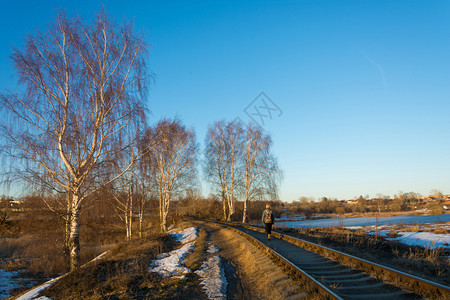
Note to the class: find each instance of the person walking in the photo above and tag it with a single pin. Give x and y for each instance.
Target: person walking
(268, 220)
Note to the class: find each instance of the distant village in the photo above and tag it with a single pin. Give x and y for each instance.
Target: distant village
(419, 199)
(410, 199)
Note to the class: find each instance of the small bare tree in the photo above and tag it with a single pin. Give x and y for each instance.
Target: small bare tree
(172, 154)
(83, 85)
(259, 167)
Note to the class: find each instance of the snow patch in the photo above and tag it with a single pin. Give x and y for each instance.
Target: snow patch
(422, 234)
(37, 290)
(213, 277)
(100, 256)
(353, 227)
(7, 282)
(213, 249)
(185, 236)
(171, 264)
(32, 294)
(424, 239)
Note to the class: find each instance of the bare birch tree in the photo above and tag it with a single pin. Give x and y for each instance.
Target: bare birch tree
(122, 191)
(259, 167)
(216, 161)
(83, 85)
(224, 146)
(144, 190)
(172, 153)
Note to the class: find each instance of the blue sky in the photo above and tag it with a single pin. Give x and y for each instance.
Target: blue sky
(363, 86)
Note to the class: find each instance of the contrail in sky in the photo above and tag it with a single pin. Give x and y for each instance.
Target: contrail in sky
(380, 69)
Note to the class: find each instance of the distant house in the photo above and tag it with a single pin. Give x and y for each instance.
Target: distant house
(447, 199)
(352, 202)
(10, 203)
(435, 198)
(6, 203)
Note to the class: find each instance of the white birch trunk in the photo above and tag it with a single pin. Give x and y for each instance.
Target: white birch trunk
(74, 241)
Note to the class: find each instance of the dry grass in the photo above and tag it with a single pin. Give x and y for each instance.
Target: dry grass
(411, 229)
(123, 272)
(33, 244)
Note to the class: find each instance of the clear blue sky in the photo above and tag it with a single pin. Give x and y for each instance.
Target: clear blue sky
(363, 86)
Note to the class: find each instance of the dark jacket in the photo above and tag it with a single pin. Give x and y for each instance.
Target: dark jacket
(264, 216)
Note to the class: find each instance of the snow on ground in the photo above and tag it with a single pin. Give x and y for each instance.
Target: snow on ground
(37, 290)
(422, 235)
(7, 282)
(100, 256)
(212, 249)
(213, 277)
(424, 239)
(32, 294)
(185, 236)
(171, 264)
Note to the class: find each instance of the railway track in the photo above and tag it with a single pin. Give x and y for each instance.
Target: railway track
(337, 275)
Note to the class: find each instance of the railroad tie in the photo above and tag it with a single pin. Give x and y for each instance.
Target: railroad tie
(359, 287)
(283, 282)
(343, 276)
(290, 289)
(275, 274)
(297, 296)
(321, 267)
(389, 295)
(348, 280)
